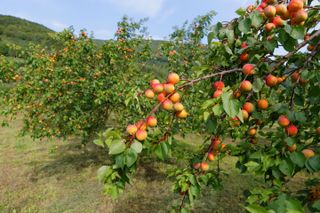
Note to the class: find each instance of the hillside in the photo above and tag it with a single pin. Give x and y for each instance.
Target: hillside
(20, 32)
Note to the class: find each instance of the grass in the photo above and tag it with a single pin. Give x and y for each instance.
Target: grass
(58, 176)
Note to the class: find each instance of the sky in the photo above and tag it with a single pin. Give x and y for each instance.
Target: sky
(101, 16)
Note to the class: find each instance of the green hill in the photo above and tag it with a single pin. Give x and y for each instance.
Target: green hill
(20, 32)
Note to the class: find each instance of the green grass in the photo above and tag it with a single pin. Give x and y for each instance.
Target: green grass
(59, 176)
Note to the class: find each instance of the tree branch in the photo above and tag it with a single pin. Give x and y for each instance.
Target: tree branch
(302, 44)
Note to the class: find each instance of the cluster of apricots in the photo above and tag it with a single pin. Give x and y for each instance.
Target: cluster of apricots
(296, 78)
(214, 149)
(169, 99)
(278, 14)
(244, 57)
(139, 130)
(218, 86)
(291, 130)
(262, 104)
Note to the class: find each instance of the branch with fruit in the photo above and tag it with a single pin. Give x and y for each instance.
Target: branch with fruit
(251, 100)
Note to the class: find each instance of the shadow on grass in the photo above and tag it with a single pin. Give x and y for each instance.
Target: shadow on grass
(71, 158)
(68, 159)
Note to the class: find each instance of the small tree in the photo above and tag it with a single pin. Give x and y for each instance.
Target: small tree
(75, 89)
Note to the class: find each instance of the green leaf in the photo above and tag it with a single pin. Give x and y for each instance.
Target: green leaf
(294, 206)
(298, 159)
(252, 166)
(300, 116)
(98, 142)
(137, 146)
(131, 157)
(286, 40)
(162, 150)
(267, 162)
(290, 44)
(257, 84)
(256, 19)
(190, 196)
(296, 32)
(241, 11)
(270, 45)
(316, 205)
(114, 192)
(200, 69)
(279, 204)
(212, 125)
(257, 209)
(240, 116)
(314, 163)
(230, 105)
(230, 36)
(117, 147)
(217, 110)
(208, 103)
(245, 25)
(193, 179)
(215, 32)
(119, 161)
(195, 190)
(286, 167)
(103, 173)
(211, 36)
(184, 210)
(290, 141)
(288, 29)
(206, 115)
(228, 50)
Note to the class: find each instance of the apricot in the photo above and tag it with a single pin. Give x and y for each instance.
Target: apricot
(263, 104)
(132, 129)
(246, 86)
(291, 130)
(151, 121)
(248, 69)
(283, 121)
(141, 135)
(173, 78)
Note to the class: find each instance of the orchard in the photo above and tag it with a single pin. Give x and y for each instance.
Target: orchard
(249, 87)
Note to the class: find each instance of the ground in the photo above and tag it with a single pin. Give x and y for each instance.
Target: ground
(59, 176)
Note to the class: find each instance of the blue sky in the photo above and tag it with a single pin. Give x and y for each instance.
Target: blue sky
(101, 16)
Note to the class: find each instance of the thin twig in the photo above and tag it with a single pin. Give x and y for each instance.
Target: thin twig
(182, 202)
(313, 53)
(191, 82)
(302, 44)
(312, 8)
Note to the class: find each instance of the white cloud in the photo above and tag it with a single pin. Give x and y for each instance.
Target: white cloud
(156, 37)
(103, 34)
(165, 14)
(244, 3)
(150, 8)
(58, 26)
(22, 15)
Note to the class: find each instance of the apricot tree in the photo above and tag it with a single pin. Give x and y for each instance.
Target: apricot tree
(73, 89)
(256, 85)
